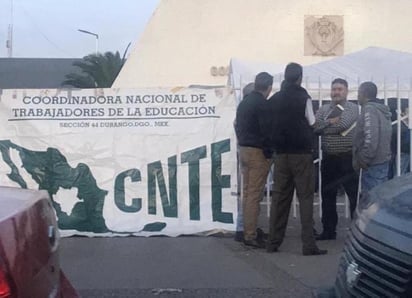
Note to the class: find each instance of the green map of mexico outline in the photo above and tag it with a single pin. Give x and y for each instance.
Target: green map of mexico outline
(51, 171)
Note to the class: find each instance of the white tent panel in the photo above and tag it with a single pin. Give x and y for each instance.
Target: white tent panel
(386, 67)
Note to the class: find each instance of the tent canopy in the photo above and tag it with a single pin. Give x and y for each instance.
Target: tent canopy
(386, 68)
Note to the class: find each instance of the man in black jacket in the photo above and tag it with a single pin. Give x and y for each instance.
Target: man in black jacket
(291, 117)
(254, 165)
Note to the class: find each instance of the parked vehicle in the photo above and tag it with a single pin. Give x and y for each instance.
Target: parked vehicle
(29, 246)
(377, 258)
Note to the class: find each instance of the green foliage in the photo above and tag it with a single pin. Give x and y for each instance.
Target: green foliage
(97, 71)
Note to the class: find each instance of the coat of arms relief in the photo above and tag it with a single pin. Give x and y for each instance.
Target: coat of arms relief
(324, 36)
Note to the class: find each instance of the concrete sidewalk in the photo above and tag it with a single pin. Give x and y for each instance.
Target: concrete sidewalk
(198, 266)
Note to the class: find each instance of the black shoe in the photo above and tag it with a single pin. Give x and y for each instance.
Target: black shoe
(261, 235)
(239, 236)
(326, 236)
(255, 243)
(271, 248)
(314, 252)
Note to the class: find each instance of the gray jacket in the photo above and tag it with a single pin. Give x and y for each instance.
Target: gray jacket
(372, 139)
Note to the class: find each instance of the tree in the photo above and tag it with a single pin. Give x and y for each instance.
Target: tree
(97, 71)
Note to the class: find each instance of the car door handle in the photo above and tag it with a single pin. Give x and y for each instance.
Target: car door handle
(53, 238)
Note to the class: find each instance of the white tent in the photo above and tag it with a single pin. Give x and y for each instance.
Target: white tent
(391, 70)
(384, 67)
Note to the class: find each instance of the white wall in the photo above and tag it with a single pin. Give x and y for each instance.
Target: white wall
(185, 38)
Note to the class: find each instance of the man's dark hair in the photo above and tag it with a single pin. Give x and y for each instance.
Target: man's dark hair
(293, 72)
(369, 89)
(340, 81)
(248, 89)
(263, 81)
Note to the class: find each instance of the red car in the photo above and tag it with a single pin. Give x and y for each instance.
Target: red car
(29, 246)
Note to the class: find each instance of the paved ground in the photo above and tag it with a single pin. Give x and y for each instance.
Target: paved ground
(198, 266)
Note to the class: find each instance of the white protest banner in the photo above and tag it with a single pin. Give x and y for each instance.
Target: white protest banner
(125, 161)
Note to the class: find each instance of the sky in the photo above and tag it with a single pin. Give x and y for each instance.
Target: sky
(49, 28)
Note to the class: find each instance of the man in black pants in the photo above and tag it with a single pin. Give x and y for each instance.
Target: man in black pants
(290, 117)
(335, 123)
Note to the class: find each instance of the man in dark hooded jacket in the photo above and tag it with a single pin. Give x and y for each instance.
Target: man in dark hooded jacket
(372, 139)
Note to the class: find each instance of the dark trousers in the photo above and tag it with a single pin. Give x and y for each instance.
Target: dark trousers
(337, 170)
(292, 171)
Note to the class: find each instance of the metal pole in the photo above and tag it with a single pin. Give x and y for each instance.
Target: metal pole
(94, 34)
(409, 125)
(10, 33)
(320, 154)
(97, 43)
(269, 180)
(398, 132)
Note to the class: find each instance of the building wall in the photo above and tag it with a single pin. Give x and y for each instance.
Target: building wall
(185, 38)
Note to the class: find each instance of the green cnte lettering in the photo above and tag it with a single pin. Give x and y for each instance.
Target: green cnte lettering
(219, 181)
(192, 157)
(155, 172)
(119, 192)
